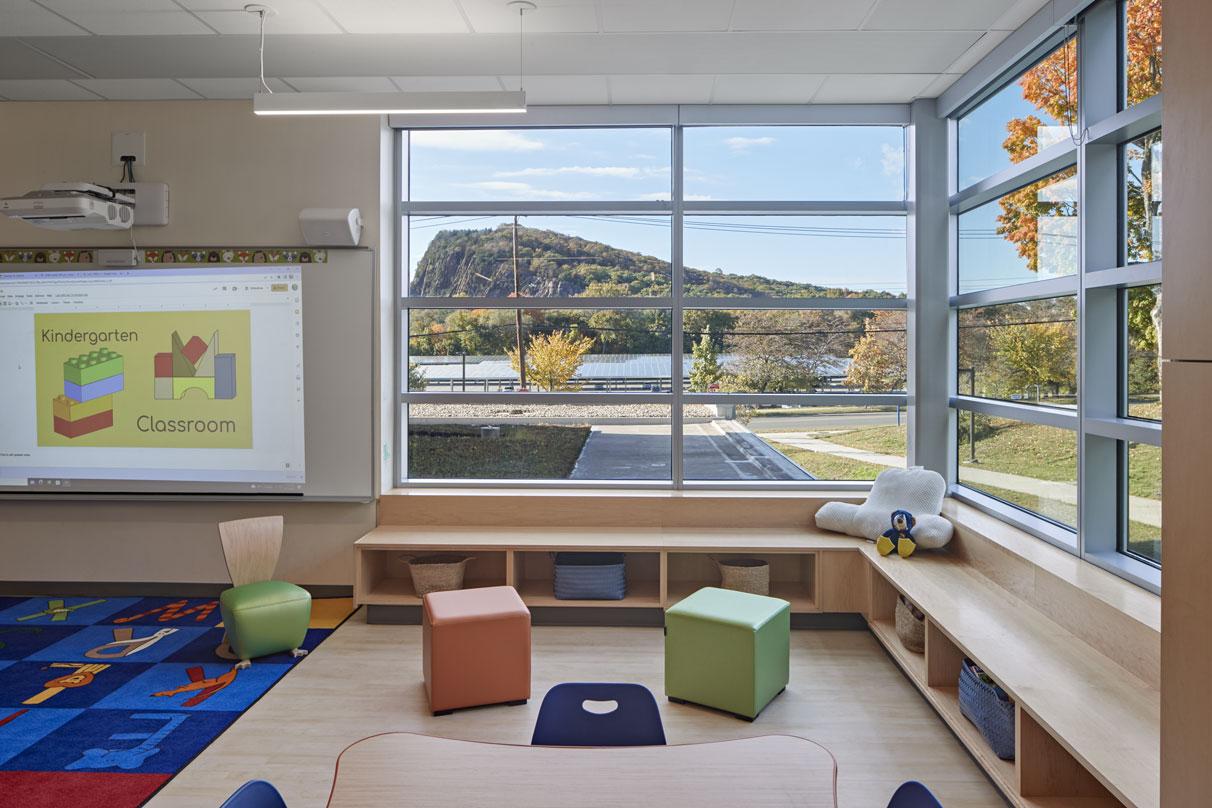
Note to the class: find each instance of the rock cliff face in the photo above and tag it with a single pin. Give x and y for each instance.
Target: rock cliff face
(479, 263)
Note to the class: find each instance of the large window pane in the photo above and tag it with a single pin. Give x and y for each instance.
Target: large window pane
(557, 256)
(1144, 501)
(1143, 352)
(1036, 110)
(742, 442)
(539, 442)
(566, 350)
(794, 256)
(1143, 198)
(1023, 352)
(539, 164)
(1142, 49)
(794, 351)
(1027, 235)
(794, 162)
(1029, 466)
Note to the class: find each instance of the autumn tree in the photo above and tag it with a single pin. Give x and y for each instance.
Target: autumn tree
(784, 351)
(878, 360)
(705, 370)
(553, 359)
(1034, 354)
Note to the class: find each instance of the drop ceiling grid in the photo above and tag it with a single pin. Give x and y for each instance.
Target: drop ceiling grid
(621, 51)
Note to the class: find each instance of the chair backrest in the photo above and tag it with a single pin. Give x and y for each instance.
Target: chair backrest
(251, 548)
(913, 795)
(255, 794)
(565, 721)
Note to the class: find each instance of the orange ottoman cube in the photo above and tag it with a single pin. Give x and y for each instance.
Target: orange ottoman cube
(476, 648)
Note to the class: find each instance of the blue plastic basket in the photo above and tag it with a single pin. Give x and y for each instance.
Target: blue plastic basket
(590, 576)
(989, 708)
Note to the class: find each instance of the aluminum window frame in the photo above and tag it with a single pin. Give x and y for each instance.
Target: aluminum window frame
(677, 119)
(1103, 275)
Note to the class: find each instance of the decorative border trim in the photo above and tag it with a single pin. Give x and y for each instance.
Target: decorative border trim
(160, 256)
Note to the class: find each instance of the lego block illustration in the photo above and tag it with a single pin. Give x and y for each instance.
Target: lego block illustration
(71, 410)
(103, 387)
(75, 429)
(92, 366)
(204, 383)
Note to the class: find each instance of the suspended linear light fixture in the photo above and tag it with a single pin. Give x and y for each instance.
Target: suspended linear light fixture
(266, 102)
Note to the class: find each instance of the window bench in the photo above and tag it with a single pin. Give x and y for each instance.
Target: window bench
(1077, 648)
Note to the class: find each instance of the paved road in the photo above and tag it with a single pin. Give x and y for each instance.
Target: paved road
(809, 423)
(714, 450)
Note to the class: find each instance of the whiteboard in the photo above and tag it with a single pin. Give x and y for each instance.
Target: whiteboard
(339, 375)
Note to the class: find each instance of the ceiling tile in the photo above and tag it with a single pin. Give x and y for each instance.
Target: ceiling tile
(1018, 14)
(293, 17)
(551, 16)
(892, 88)
(935, 88)
(24, 18)
(562, 89)
(138, 89)
(18, 61)
(442, 84)
(343, 84)
(978, 51)
(232, 88)
(799, 15)
(44, 90)
(765, 89)
(936, 15)
(129, 17)
(660, 89)
(665, 15)
(395, 17)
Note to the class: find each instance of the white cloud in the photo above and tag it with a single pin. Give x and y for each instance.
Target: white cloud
(624, 172)
(524, 190)
(479, 140)
(697, 197)
(892, 160)
(741, 144)
(664, 196)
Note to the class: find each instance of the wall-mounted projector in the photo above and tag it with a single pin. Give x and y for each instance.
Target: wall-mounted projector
(72, 206)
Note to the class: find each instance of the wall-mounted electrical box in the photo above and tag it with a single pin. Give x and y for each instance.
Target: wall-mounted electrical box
(129, 144)
(151, 201)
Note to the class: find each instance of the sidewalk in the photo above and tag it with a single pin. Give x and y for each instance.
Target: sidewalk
(1146, 511)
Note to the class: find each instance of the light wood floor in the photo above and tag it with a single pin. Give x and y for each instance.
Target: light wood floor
(845, 694)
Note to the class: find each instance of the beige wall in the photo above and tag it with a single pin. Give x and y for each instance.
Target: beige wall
(234, 179)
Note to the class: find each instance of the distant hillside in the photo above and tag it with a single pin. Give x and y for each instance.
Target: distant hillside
(478, 263)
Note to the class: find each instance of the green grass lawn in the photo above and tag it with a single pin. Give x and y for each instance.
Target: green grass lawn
(825, 466)
(451, 451)
(889, 439)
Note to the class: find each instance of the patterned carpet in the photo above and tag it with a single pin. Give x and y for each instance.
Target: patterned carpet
(103, 700)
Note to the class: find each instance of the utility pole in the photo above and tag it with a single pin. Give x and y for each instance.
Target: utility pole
(517, 313)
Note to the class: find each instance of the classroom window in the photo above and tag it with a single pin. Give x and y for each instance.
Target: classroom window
(1141, 366)
(1143, 198)
(1024, 352)
(1036, 110)
(1142, 50)
(1143, 536)
(1026, 235)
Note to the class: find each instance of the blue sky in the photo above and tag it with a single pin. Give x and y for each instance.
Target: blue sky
(722, 163)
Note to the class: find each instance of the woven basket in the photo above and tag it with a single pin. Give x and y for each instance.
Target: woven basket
(910, 629)
(750, 575)
(436, 573)
(987, 706)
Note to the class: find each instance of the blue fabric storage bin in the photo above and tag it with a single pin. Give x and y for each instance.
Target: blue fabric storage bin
(989, 708)
(590, 576)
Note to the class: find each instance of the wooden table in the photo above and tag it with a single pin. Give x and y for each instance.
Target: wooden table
(403, 769)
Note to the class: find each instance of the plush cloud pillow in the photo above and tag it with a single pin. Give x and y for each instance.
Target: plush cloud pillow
(916, 490)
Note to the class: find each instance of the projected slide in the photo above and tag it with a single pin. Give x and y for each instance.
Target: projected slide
(164, 379)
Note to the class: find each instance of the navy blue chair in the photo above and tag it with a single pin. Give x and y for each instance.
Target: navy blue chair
(565, 721)
(255, 794)
(913, 795)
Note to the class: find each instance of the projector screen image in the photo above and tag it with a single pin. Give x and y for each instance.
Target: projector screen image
(160, 380)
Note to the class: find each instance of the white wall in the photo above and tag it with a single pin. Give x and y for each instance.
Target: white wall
(234, 180)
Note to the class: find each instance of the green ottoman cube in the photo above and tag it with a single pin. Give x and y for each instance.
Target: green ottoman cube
(265, 618)
(728, 650)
